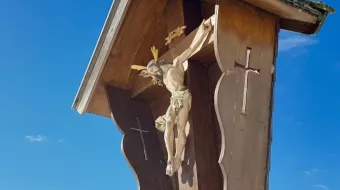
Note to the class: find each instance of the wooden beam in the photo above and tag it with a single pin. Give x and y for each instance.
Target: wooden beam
(283, 10)
(107, 37)
(291, 18)
(174, 20)
(300, 27)
(131, 46)
(141, 84)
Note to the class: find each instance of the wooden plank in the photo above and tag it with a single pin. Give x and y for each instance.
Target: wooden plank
(134, 47)
(291, 18)
(214, 76)
(283, 10)
(131, 47)
(279, 8)
(99, 103)
(205, 140)
(297, 26)
(225, 98)
(140, 144)
(107, 36)
(244, 92)
(174, 18)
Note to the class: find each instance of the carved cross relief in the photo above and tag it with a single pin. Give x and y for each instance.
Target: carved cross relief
(248, 69)
(243, 98)
(141, 131)
(140, 144)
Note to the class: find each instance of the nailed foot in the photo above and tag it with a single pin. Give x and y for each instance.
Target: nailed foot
(173, 166)
(169, 169)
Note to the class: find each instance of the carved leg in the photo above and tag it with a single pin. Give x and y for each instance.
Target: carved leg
(181, 124)
(169, 139)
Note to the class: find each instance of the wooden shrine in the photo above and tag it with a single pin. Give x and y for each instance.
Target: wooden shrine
(224, 52)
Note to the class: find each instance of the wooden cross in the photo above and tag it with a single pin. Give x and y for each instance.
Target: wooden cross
(248, 69)
(141, 136)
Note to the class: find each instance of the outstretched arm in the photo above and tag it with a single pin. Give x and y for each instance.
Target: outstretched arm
(200, 37)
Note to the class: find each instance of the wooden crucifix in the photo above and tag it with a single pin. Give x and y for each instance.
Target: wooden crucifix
(198, 115)
(171, 75)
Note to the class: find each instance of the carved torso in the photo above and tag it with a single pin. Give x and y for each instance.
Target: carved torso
(173, 78)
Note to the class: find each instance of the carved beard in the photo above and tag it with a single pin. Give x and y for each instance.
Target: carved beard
(159, 75)
(159, 79)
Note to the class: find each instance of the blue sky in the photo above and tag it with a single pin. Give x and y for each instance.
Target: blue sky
(44, 50)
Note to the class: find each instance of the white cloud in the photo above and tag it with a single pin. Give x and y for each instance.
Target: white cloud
(320, 186)
(37, 138)
(314, 171)
(311, 172)
(292, 41)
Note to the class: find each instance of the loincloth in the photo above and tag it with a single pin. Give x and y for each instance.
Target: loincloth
(176, 102)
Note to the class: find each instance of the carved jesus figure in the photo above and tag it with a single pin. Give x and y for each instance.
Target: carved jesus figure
(171, 75)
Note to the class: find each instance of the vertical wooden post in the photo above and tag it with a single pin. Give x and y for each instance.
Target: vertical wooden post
(245, 46)
(200, 168)
(204, 133)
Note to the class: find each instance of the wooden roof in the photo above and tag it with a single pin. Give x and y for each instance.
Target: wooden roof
(132, 27)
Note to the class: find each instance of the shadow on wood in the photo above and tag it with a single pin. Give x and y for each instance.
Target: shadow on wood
(140, 143)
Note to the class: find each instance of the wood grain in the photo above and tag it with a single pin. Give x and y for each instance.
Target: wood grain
(214, 76)
(245, 136)
(209, 175)
(174, 18)
(143, 27)
(283, 10)
(103, 47)
(297, 26)
(134, 46)
(141, 150)
(279, 8)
